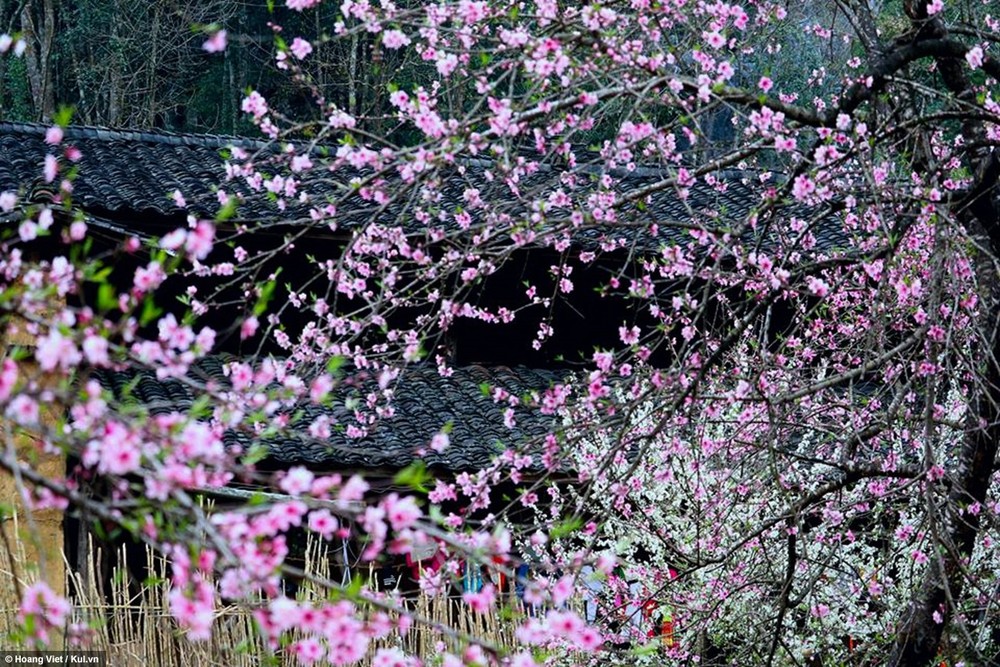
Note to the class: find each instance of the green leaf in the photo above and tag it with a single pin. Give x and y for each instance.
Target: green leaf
(64, 116)
(151, 581)
(29, 625)
(642, 650)
(334, 364)
(353, 590)
(566, 528)
(414, 476)
(201, 407)
(95, 275)
(508, 613)
(435, 514)
(150, 312)
(227, 210)
(257, 453)
(106, 298)
(266, 293)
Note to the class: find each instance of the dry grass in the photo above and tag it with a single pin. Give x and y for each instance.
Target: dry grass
(13, 574)
(132, 624)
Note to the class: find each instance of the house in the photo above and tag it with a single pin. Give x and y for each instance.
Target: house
(125, 184)
(142, 185)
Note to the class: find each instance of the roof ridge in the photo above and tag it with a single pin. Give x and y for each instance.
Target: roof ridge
(217, 141)
(222, 141)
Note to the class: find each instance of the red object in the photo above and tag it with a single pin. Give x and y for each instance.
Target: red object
(667, 633)
(648, 609)
(666, 629)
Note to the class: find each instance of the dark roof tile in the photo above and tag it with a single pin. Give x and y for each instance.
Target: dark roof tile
(424, 403)
(131, 173)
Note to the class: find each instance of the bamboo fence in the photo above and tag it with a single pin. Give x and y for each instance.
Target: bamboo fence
(131, 623)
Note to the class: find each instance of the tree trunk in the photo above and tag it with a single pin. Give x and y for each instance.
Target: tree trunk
(150, 100)
(352, 77)
(918, 637)
(38, 56)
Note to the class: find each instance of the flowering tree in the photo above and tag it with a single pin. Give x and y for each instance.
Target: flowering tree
(788, 448)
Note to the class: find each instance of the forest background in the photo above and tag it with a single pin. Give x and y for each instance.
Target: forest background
(141, 65)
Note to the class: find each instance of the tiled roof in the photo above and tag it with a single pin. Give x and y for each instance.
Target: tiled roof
(120, 170)
(424, 403)
(132, 174)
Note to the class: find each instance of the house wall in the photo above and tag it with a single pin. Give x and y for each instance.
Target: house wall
(37, 535)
